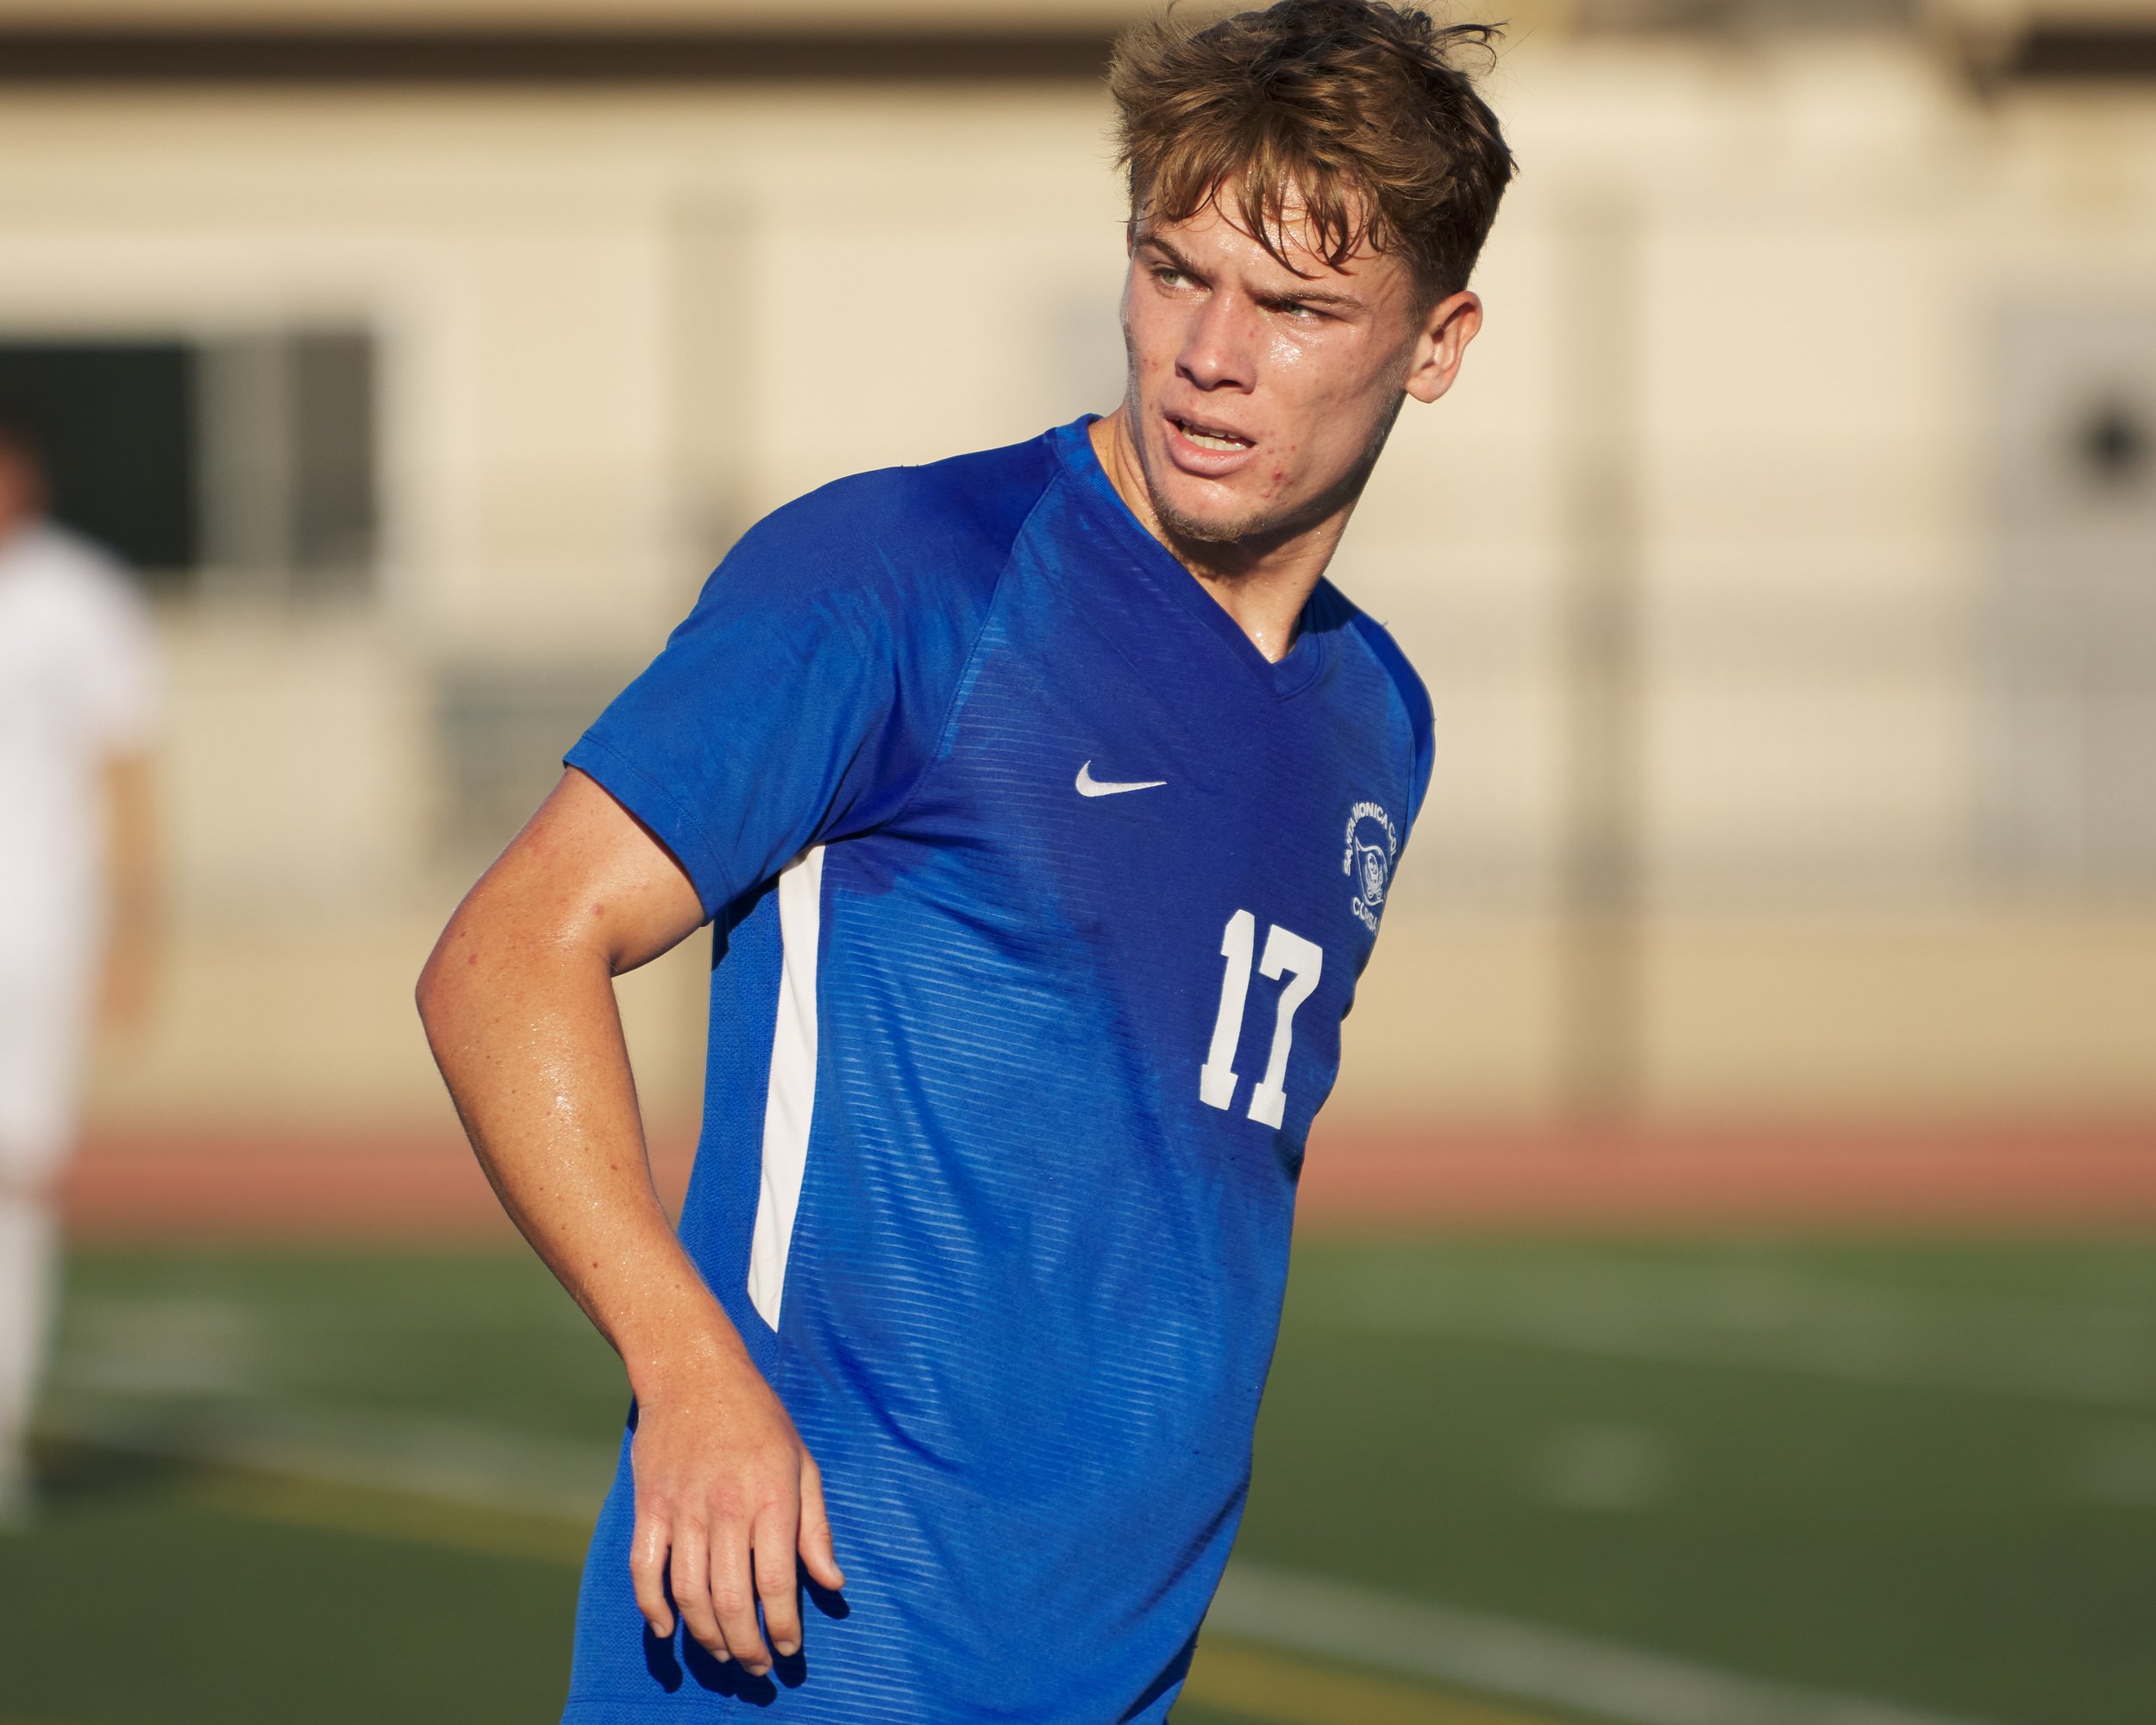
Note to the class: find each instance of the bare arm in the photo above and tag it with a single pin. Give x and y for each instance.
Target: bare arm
(130, 893)
(518, 1003)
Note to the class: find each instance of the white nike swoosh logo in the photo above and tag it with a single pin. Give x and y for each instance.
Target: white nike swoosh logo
(1090, 786)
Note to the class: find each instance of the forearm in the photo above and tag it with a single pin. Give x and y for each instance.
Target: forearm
(529, 1038)
(130, 921)
(518, 1002)
(131, 844)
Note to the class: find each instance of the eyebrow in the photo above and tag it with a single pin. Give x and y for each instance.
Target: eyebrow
(1297, 295)
(1313, 296)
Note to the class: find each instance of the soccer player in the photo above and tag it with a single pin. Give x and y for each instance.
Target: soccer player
(1045, 803)
(78, 684)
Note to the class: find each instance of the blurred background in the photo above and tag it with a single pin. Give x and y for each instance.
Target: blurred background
(1728, 1285)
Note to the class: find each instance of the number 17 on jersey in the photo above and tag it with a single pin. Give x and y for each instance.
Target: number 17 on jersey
(1287, 955)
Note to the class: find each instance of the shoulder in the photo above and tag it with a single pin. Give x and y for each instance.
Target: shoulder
(1410, 697)
(893, 541)
(1402, 680)
(978, 501)
(72, 583)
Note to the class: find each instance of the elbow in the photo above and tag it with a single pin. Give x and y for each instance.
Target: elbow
(426, 994)
(442, 978)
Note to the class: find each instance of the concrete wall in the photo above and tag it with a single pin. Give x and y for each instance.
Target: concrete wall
(1738, 362)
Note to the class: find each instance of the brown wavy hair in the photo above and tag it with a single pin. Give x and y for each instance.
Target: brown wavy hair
(1355, 115)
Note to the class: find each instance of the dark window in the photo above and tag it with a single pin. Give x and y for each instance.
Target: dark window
(118, 422)
(249, 458)
(333, 470)
(288, 467)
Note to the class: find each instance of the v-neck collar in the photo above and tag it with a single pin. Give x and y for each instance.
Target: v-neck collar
(1283, 677)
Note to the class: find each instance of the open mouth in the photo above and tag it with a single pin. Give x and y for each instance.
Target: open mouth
(1211, 436)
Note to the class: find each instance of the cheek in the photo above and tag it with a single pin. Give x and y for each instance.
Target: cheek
(1331, 410)
(1150, 334)
(1338, 404)
(1286, 357)
(1326, 393)
(1286, 463)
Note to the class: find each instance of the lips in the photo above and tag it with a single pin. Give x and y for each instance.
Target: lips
(1210, 436)
(1205, 449)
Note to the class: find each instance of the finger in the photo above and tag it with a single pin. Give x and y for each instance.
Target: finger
(648, 1548)
(733, 1598)
(817, 1555)
(691, 1576)
(772, 1549)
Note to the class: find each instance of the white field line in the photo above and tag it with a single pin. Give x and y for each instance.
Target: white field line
(449, 1461)
(1763, 1321)
(1524, 1662)
(453, 1462)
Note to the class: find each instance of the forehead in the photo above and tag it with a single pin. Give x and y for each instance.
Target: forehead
(1216, 235)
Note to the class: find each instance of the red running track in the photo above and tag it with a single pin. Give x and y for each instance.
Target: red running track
(258, 1184)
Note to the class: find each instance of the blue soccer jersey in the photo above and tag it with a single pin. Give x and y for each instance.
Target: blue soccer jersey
(1040, 895)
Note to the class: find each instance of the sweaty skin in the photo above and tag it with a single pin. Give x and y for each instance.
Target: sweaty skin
(519, 1001)
(1258, 400)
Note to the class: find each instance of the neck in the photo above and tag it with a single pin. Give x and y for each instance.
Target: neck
(1263, 581)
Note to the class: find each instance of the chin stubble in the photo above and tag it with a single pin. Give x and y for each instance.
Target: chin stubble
(1262, 522)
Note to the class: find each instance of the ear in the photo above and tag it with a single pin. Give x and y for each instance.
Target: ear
(1441, 343)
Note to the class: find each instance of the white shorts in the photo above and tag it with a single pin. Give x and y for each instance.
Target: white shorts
(44, 1043)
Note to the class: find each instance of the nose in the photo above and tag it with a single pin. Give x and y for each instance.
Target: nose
(1220, 350)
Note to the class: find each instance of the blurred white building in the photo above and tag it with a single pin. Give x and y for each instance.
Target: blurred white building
(1783, 567)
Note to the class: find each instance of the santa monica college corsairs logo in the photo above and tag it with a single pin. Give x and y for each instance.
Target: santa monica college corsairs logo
(1373, 844)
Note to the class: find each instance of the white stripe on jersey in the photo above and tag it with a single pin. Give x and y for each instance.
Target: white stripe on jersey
(792, 1096)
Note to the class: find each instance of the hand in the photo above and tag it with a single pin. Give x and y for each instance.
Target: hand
(518, 1002)
(725, 1497)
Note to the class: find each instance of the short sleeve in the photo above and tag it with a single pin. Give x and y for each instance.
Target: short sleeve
(796, 704)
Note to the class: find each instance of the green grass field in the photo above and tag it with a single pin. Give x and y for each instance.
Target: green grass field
(347, 1487)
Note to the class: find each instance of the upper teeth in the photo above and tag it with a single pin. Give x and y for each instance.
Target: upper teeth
(1211, 440)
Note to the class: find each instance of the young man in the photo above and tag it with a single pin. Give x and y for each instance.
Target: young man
(1045, 802)
(78, 686)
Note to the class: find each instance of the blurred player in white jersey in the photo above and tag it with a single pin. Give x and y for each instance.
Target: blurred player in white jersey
(79, 695)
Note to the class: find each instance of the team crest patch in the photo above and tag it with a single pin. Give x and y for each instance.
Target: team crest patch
(1373, 844)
